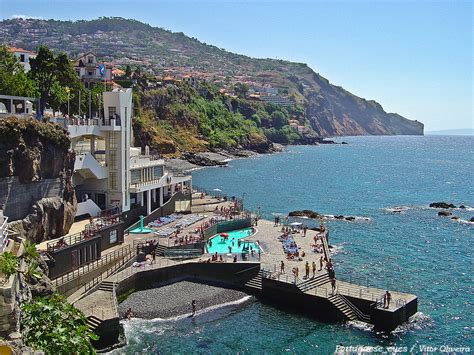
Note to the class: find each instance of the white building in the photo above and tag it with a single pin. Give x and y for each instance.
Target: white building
(109, 171)
(90, 70)
(23, 56)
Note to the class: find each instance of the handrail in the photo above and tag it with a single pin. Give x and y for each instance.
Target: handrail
(72, 275)
(362, 316)
(245, 270)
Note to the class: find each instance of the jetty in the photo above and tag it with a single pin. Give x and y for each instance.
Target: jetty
(151, 260)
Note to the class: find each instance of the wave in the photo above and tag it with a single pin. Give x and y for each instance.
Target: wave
(188, 315)
(463, 221)
(397, 209)
(417, 321)
(347, 218)
(366, 327)
(336, 249)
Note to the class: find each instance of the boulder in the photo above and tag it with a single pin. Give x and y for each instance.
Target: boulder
(444, 213)
(462, 207)
(350, 218)
(472, 219)
(339, 217)
(443, 205)
(304, 213)
(455, 218)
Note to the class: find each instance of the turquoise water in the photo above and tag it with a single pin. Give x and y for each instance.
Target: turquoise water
(221, 245)
(415, 251)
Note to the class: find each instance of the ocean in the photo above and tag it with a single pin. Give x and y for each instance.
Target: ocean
(414, 250)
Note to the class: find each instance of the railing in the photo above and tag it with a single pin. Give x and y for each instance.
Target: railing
(107, 219)
(247, 270)
(123, 254)
(3, 233)
(362, 316)
(219, 195)
(182, 253)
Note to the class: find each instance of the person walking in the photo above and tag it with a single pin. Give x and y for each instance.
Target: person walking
(386, 299)
(282, 267)
(193, 306)
(333, 285)
(321, 261)
(307, 270)
(314, 269)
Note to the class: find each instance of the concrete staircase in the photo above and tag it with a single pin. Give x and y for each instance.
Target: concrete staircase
(160, 250)
(255, 283)
(107, 286)
(93, 322)
(311, 283)
(340, 303)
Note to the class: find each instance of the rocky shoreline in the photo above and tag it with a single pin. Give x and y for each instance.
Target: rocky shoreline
(174, 300)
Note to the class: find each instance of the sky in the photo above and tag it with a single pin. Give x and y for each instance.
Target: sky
(413, 57)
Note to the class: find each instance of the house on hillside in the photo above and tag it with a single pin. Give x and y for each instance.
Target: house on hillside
(90, 70)
(23, 56)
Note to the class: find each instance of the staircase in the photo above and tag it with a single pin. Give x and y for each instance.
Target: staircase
(255, 283)
(309, 284)
(93, 322)
(338, 301)
(107, 286)
(348, 308)
(160, 250)
(87, 165)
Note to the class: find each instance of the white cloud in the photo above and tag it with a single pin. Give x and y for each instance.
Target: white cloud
(26, 16)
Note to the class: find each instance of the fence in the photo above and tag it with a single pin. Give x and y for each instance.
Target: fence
(123, 254)
(220, 195)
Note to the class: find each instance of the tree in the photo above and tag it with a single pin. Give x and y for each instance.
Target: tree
(279, 119)
(128, 71)
(241, 89)
(52, 74)
(53, 325)
(13, 79)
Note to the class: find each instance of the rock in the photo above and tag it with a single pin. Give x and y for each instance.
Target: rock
(462, 207)
(201, 159)
(444, 213)
(304, 213)
(350, 218)
(344, 142)
(43, 287)
(455, 218)
(472, 219)
(443, 205)
(339, 217)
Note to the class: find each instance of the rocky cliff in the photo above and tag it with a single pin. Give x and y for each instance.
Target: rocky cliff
(36, 168)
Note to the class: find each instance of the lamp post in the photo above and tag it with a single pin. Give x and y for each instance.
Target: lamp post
(68, 90)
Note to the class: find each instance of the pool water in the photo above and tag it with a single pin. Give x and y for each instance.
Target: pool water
(221, 245)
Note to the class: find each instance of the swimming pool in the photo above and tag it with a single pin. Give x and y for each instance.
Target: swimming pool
(221, 245)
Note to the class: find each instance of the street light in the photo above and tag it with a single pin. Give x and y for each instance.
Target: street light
(68, 90)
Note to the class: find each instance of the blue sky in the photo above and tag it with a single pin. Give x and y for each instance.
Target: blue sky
(414, 58)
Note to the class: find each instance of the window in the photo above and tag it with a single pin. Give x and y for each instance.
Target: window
(113, 236)
(112, 111)
(90, 73)
(22, 58)
(135, 176)
(158, 171)
(90, 60)
(113, 181)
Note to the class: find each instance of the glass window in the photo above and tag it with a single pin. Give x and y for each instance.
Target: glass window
(113, 236)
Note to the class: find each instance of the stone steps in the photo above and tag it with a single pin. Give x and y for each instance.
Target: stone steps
(255, 282)
(342, 306)
(93, 322)
(309, 284)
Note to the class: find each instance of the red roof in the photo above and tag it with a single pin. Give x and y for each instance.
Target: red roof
(19, 50)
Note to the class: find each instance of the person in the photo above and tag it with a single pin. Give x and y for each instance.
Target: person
(307, 270)
(282, 267)
(297, 271)
(193, 306)
(230, 249)
(220, 259)
(333, 285)
(235, 258)
(153, 254)
(386, 299)
(305, 229)
(129, 313)
(314, 269)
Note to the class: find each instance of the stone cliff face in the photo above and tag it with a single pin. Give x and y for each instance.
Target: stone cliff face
(333, 111)
(36, 168)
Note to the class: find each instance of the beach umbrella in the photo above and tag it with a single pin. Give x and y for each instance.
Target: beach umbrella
(224, 235)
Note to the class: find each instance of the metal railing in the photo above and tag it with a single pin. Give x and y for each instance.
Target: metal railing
(362, 316)
(121, 255)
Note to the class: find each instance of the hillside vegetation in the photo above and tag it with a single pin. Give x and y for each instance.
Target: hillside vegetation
(330, 110)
